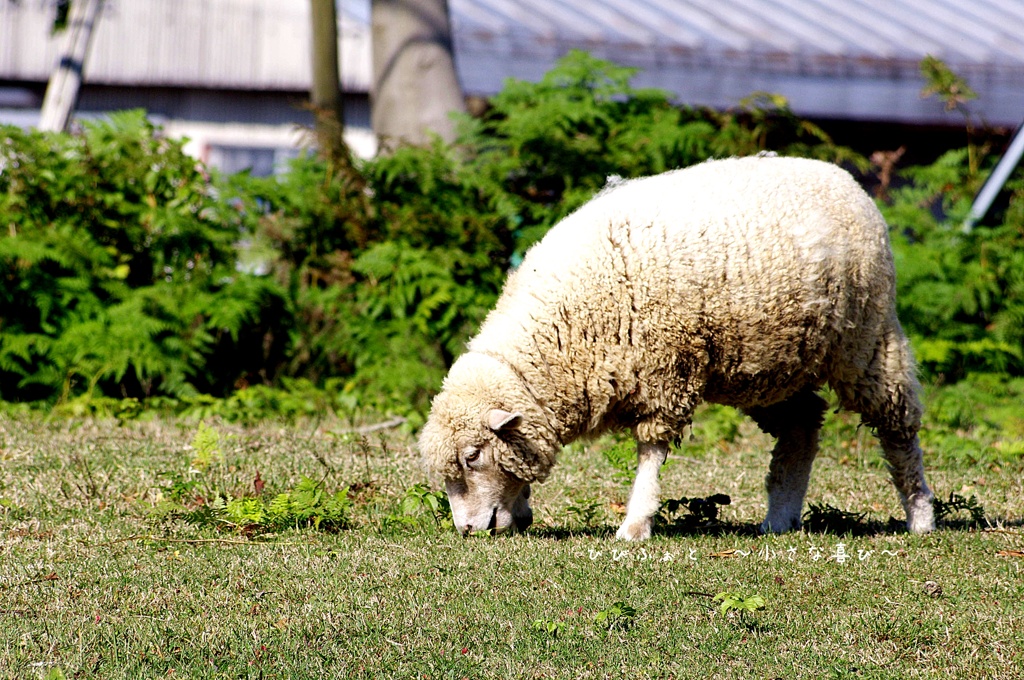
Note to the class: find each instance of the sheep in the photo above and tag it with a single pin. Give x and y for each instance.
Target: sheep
(750, 282)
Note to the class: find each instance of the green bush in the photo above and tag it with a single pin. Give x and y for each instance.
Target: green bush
(383, 292)
(119, 272)
(543, 149)
(130, 273)
(392, 265)
(960, 293)
(960, 289)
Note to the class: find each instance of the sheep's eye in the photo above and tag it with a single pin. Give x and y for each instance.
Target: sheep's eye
(472, 456)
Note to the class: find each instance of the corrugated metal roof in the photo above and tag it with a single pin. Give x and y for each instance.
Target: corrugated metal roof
(239, 44)
(979, 32)
(854, 58)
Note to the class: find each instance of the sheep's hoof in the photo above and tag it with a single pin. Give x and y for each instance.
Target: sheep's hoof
(634, 530)
(779, 525)
(920, 515)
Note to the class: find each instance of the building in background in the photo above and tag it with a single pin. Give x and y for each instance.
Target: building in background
(232, 75)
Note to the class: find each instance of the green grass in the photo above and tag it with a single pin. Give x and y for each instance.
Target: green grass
(112, 563)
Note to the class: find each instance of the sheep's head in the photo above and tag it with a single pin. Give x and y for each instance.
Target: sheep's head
(489, 441)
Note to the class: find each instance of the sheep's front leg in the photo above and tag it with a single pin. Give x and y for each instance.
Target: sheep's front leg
(644, 500)
(796, 423)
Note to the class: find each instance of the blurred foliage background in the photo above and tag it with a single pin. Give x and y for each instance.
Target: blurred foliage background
(134, 279)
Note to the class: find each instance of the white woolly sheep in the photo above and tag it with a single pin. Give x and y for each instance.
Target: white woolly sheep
(749, 282)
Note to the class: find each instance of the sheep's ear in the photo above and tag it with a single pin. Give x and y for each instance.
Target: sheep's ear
(499, 420)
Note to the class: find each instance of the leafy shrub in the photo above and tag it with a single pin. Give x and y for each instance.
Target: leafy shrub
(957, 503)
(981, 400)
(383, 292)
(712, 424)
(960, 293)
(585, 511)
(736, 602)
(119, 269)
(619, 616)
(700, 512)
(622, 457)
(960, 289)
(307, 505)
(393, 265)
(446, 224)
(130, 274)
(420, 508)
(827, 519)
(195, 498)
(543, 149)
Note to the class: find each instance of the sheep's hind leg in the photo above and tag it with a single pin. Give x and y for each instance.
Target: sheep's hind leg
(885, 395)
(644, 500)
(795, 423)
(906, 466)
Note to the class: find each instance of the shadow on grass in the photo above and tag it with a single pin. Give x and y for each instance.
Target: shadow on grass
(990, 523)
(560, 533)
(660, 529)
(848, 528)
(691, 517)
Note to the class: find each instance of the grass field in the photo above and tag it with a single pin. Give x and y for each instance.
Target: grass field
(118, 560)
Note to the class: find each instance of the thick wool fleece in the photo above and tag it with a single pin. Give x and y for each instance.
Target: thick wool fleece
(743, 282)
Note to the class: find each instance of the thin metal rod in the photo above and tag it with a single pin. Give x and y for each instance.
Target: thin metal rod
(994, 184)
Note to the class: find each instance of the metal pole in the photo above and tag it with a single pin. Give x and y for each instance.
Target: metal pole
(994, 184)
(62, 90)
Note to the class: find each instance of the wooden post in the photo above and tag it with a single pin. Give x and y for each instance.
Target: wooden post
(62, 90)
(325, 94)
